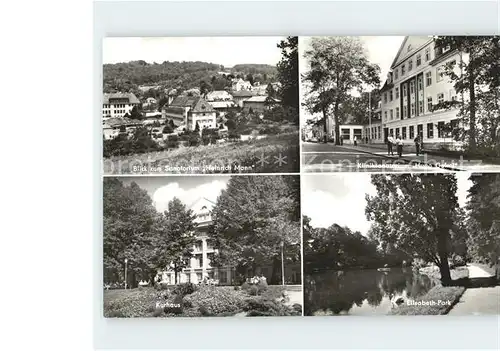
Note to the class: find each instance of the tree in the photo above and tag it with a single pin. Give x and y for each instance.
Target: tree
(271, 96)
(174, 247)
(288, 75)
(130, 227)
(360, 107)
(478, 78)
(205, 88)
(483, 221)
(171, 124)
(250, 78)
(197, 127)
(337, 66)
(416, 214)
(250, 220)
(135, 113)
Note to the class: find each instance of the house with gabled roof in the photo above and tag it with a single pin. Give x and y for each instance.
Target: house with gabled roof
(188, 111)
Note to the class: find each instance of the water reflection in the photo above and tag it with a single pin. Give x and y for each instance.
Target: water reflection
(361, 292)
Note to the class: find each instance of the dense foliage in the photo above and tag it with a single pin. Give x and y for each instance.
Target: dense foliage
(483, 222)
(253, 217)
(418, 214)
(477, 79)
(336, 66)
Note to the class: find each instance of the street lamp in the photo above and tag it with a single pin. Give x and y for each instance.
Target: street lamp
(282, 244)
(126, 260)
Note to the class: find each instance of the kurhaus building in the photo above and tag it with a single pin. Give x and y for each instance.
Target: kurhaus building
(415, 84)
(203, 251)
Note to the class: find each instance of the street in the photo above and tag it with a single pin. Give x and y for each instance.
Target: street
(318, 157)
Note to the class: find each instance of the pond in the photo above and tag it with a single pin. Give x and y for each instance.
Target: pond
(360, 292)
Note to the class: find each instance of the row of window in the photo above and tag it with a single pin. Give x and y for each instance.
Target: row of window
(115, 105)
(427, 57)
(389, 96)
(394, 113)
(443, 132)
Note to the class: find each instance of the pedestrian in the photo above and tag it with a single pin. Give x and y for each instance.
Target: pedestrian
(390, 143)
(418, 144)
(399, 143)
(366, 139)
(355, 141)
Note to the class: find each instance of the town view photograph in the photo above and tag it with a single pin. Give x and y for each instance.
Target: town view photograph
(199, 246)
(401, 244)
(400, 104)
(200, 105)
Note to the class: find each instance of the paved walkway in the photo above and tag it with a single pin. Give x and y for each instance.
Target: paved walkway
(478, 301)
(295, 297)
(409, 155)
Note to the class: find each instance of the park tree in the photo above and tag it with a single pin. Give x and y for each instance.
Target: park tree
(483, 222)
(205, 88)
(174, 247)
(417, 214)
(131, 224)
(288, 76)
(250, 223)
(250, 78)
(475, 75)
(360, 107)
(134, 113)
(337, 67)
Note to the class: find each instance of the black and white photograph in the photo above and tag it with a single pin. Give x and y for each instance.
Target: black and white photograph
(401, 244)
(200, 105)
(201, 246)
(400, 103)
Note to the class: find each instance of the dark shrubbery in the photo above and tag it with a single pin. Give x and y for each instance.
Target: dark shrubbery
(258, 306)
(139, 143)
(212, 301)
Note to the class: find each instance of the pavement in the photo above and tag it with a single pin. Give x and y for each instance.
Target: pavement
(478, 301)
(319, 157)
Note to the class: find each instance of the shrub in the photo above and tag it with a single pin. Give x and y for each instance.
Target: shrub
(245, 286)
(253, 290)
(167, 129)
(212, 300)
(258, 306)
(261, 287)
(185, 289)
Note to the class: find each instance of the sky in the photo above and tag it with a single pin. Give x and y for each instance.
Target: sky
(188, 189)
(380, 50)
(340, 198)
(226, 51)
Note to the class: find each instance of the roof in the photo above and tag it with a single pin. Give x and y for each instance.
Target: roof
(131, 97)
(416, 41)
(218, 95)
(221, 104)
(243, 93)
(260, 98)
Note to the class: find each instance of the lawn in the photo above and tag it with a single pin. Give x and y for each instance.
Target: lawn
(204, 301)
(438, 300)
(276, 153)
(456, 273)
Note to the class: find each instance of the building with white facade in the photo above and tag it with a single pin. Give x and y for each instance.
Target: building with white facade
(188, 111)
(415, 84)
(116, 105)
(240, 84)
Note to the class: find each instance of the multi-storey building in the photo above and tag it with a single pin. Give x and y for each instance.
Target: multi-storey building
(415, 84)
(116, 105)
(199, 266)
(190, 110)
(240, 84)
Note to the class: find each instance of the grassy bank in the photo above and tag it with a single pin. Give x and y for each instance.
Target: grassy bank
(251, 156)
(205, 301)
(438, 300)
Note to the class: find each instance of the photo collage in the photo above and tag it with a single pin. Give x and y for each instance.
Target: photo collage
(300, 176)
